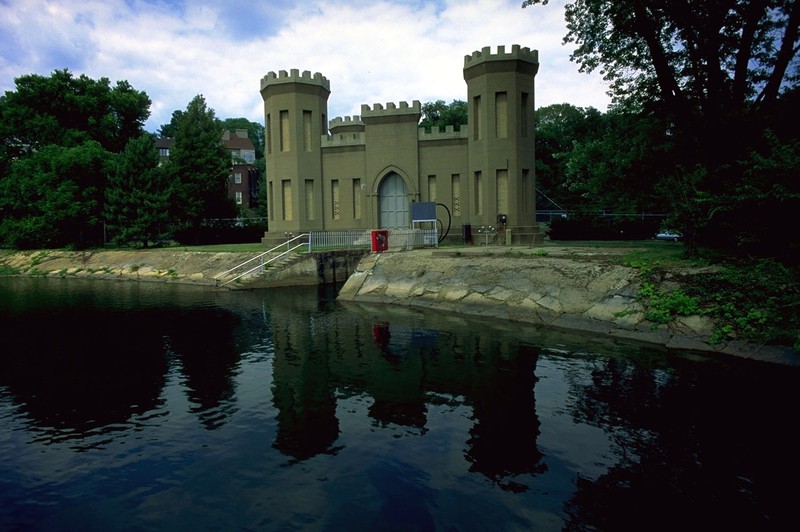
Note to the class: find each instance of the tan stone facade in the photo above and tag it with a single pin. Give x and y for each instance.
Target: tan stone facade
(363, 172)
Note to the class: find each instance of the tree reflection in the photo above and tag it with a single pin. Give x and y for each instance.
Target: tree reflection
(690, 448)
(78, 371)
(203, 342)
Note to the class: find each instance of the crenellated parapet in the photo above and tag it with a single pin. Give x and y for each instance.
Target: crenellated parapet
(391, 109)
(346, 124)
(295, 76)
(449, 133)
(517, 53)
(357, 138)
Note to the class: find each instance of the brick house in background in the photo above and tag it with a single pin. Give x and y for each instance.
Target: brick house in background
(243, 177)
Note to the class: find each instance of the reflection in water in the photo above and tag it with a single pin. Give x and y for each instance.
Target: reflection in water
(399, 367)
(134, 406)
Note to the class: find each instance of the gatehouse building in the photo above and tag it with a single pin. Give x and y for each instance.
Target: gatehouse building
(363, 172)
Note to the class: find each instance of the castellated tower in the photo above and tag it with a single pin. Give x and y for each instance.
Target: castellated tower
(500, 99)
(295, 113)
(365, 172)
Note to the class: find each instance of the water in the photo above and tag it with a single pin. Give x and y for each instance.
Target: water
(134, 406)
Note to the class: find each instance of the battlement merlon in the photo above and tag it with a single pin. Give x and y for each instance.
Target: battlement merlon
(345, 121)
(294, 76)
(391, 110)
(517, 53)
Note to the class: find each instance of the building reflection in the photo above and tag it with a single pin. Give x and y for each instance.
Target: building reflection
(402, 366)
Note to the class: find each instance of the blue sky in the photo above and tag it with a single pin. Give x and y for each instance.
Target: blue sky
(372, 51)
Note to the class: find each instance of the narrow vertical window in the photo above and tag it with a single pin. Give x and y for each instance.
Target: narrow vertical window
(268, 133)
(476, 114)
(238, 197)
(284, 131)
(335, 204)
(307, 130)
(502, 192)
(527, 190)
(501, 115)
(431, 188)
(456, 188)
(357, 199)
(309, 193)
(271, 202)
(478, 194)
(523, 118)
(286, 199)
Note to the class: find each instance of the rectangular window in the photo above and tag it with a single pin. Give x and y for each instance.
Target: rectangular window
(268, 133)
(284, 131)
(527, 190)
(286, 199)
(477, 118)
(335, 204)
(237, 178)
(502, 192)
(357, 199)
(501, 115)
(431, 188)
(309, 192)
(163, 152)
(523, 119)
(478, 194)
(238, 197)
(270, 202)
(456, 187)
(307, 130)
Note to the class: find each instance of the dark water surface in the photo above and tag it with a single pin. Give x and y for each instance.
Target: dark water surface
(128, 406)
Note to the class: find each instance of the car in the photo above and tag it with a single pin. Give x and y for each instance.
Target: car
(672, 236)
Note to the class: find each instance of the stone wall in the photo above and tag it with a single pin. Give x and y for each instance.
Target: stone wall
(559, 292)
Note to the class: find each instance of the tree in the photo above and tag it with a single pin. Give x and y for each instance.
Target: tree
(67, 111)
(715, 72)
(168, 130)
(440, 114)
(199, 166)
(255, 132)
(558, 128)
(54, 197)
(137, 197)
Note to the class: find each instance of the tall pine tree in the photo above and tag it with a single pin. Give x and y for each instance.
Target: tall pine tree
(137, 197)
(199, 167)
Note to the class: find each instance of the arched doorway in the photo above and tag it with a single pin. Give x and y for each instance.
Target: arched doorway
(393, 202)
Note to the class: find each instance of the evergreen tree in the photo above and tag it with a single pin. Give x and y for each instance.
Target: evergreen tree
(137, 197)
(199, 168)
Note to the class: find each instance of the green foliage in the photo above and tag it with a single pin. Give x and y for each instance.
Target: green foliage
(755, 300)
(704, 127)
(662, 307)
(54, 197)
(439, 114)
(198, 167)
(137, 197)
(69, 111)
(58, 139)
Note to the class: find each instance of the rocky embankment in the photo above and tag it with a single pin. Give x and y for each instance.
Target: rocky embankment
(185, 267)
(570, 291)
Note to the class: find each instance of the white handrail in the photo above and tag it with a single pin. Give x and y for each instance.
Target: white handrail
(262, 265)
(262, 254)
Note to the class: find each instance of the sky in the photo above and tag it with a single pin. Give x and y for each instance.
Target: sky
(371, 51)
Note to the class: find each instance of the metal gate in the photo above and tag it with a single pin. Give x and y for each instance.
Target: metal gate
(393, 203)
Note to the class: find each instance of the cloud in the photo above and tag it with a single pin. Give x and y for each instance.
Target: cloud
(371, 51)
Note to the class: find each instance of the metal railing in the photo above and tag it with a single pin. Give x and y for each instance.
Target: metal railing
(260, 257)
(334, 240)
(362, 239)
